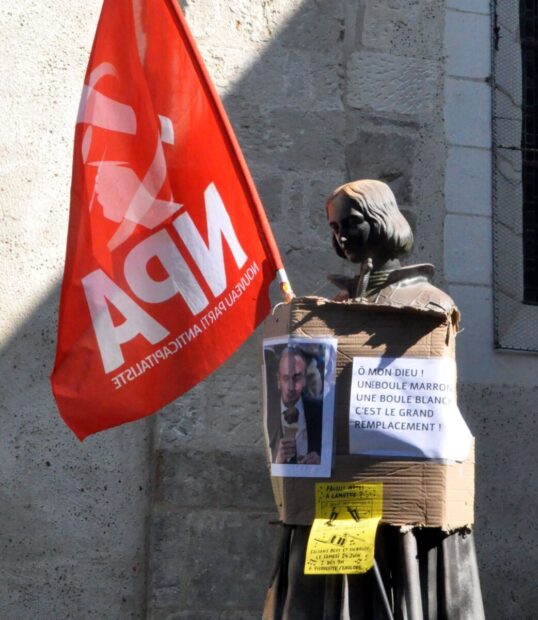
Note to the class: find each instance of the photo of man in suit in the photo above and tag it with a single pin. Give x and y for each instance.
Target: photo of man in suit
(294, 420)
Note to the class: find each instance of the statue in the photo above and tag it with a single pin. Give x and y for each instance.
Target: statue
(420, 573)
(370, 230)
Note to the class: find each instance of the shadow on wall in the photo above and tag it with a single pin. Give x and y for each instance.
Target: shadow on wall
(73, 517)
(211, 541)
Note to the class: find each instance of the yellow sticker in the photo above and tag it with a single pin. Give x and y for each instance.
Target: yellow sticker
(342, 537)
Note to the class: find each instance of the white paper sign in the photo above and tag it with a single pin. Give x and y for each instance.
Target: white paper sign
(406, 407)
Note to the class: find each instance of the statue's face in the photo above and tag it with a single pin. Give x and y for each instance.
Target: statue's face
(351, 229)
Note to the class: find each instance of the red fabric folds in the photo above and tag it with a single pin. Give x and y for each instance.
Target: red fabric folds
(169, 253)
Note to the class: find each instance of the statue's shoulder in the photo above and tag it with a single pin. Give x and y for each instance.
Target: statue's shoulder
(411, 287)
(406, 287)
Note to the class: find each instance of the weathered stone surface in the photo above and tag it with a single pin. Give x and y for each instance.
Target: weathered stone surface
(467, 113)
(506, 499)
(270, 186)
(475, 6)
(387, 156)
(72, 515)
(465, 261)
(223, 480)
(284, 78)
(213, 415)
(403, 27)
(240, 23)
(88, 587)
(315, 26)
(303, 140)
(211, 560)
(467, 181)
(467, 37)
(392, 84)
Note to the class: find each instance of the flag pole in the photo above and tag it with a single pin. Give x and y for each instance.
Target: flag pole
(285, 286)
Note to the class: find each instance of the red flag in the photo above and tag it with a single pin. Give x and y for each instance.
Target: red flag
(169, 253)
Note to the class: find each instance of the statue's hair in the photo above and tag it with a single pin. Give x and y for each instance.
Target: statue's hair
(375, 200)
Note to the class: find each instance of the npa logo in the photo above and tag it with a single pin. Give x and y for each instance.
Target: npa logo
(131, 201)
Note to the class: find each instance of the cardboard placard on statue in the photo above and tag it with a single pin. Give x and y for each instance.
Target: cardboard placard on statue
(415, 491)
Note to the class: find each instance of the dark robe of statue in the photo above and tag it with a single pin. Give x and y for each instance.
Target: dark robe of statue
(427, 574)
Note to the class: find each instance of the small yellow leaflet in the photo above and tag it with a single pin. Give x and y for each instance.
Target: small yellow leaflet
(342, 537)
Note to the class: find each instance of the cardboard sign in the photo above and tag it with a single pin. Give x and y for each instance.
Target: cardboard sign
(418, 492)
(406, 407)
(342, 538)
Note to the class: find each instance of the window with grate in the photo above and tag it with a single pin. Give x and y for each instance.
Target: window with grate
(528, 19)
(515, 173)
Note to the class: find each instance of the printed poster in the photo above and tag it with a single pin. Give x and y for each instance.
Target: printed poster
(299, 375)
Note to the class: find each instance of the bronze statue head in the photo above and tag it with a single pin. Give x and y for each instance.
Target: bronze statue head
(367, 223)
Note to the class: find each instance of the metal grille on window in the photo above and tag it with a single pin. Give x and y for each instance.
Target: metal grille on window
(515, 173)
(528, 19)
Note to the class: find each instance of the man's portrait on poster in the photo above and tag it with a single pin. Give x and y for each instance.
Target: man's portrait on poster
(299, 381)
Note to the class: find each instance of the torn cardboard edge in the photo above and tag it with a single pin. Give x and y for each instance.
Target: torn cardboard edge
(416, 492)
(432, 308)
